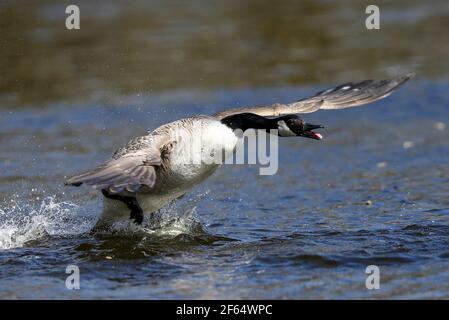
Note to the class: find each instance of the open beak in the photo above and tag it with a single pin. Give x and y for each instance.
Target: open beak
(308, 131)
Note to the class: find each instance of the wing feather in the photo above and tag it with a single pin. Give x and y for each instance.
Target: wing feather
(130, 171)
(346, 95)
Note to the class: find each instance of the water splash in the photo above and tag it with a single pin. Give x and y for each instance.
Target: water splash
(176, 218)
(24, 222)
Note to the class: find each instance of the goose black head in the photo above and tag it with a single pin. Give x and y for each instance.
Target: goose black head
(287, 126)
(295, 126)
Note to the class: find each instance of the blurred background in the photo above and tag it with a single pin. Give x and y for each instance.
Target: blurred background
(374, 191)
(147, 47)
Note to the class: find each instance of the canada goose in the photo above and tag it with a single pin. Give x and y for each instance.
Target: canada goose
(152, 170)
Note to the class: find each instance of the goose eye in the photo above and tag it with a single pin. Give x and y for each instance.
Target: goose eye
(298, 123)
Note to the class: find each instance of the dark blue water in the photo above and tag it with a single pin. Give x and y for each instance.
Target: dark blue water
(373, 192)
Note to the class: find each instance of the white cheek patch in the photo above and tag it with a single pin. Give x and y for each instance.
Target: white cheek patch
(284, 130)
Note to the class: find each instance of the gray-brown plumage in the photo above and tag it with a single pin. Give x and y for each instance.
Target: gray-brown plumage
(133, 164)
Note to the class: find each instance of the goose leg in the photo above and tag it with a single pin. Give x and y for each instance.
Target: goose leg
(131, 202)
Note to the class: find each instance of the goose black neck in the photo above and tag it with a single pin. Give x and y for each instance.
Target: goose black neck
(246, 121)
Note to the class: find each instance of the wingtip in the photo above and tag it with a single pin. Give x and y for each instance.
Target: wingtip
(402, 79)
(407, 77)
(74, 184)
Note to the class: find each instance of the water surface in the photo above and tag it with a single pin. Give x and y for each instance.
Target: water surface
(373, 192)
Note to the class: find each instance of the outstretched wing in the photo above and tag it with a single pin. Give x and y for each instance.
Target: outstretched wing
(344, 96)
(130, 171)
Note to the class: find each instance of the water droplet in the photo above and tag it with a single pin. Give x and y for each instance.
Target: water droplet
(408, 144)
(440, 126)
(382, 164)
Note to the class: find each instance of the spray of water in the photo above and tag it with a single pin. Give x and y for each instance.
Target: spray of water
(176, 218)
(21, 222)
